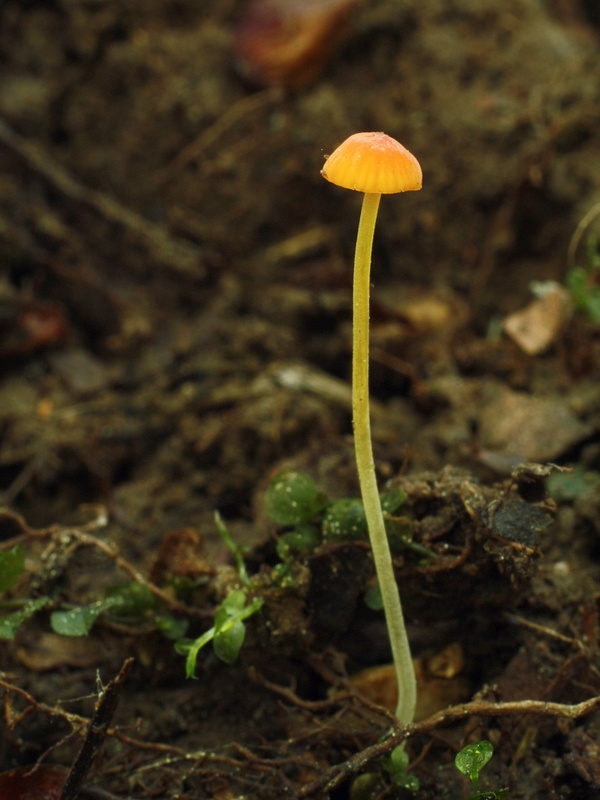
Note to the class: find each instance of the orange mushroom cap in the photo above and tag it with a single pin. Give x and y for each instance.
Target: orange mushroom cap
(375, 163)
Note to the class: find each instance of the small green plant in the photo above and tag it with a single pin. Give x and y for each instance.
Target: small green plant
(396, 766)
(584, 282)
(227, 634)
(12, 566)
(294, 500)
(392, 769)
(229, 630)
(470, 761)
(130, 602)
(127, 603)
(133, 603)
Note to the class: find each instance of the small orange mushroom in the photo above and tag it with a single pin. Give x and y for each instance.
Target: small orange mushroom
(375, 164)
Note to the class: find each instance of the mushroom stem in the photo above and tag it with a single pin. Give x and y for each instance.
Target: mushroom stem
(405, 673)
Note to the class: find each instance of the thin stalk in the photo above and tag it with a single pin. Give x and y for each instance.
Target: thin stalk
(405, 673)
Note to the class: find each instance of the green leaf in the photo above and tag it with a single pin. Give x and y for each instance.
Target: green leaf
(582, 282)
(373, 599)
(392, 500)
(233, 549)
(397, 765)
(299, 542)
(80, 620)
(131, 599)
(400, 532)
(228, 642)
(592, 305)
(345, 520)
(11, 623)
(565, 486)
(231, 612)
(577, 283)
(172, 628)
(12, 566)
(234, 602)
(367, 786)
(399, 759)
(473, 758)
(593, 253)
(293, 498)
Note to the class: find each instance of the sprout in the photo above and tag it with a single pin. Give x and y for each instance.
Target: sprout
(470, 761)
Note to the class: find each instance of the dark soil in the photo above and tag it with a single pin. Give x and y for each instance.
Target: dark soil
(175, 318)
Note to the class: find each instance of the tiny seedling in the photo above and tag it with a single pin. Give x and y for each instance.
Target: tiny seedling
(233, 549)
(470, 761)
(294, 500)
(391, 769)
(227, 634)
(396, 765)
(130, 602)
(229, 631)
(134, 603)
(10, 623)
(12, 567)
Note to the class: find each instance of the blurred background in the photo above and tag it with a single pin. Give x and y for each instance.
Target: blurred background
(175, 273)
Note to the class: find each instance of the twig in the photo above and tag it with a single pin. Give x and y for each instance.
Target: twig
(113, 553)
(477, 708)
(290, 695)
(544, 630)
(85, 536)
(75, 720)
(96, 733)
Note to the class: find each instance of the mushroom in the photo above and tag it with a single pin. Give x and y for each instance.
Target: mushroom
(375, 164)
